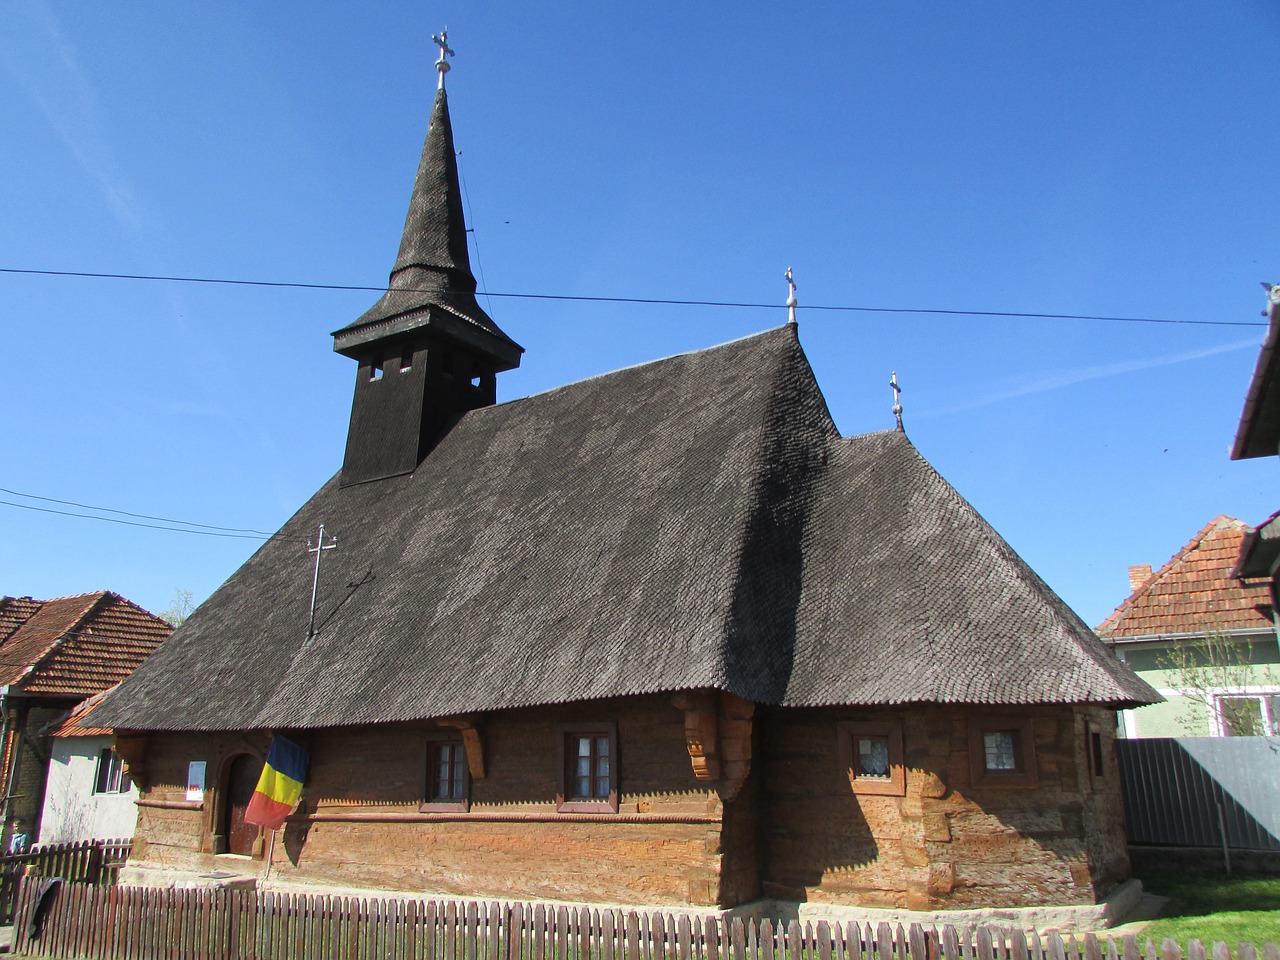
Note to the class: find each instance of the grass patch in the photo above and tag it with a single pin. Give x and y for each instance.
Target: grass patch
(1212, 906)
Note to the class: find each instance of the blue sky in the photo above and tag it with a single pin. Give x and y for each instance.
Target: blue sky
(1109, 158)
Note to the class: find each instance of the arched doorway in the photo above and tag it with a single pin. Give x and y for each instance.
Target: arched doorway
(242, 778)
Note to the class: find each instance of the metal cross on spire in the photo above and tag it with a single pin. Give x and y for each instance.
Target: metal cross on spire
(442, 41)
(897, 404)
(791, 297)
(318, 550)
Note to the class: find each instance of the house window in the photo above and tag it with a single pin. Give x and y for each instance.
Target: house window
(588, 768)
(406, 360)
(448, 781)
(1002, 752)
(110, 778)
(1248, 715)
(375, 370)
(871, 755)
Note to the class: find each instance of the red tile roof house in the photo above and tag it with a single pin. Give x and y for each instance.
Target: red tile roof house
(1197, 594)
(662, 636)
(53, 655)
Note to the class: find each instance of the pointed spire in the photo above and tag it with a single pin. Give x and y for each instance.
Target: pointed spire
(435, 232)
(431, 283)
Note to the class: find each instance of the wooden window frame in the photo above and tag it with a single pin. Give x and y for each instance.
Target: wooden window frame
(565, 803)
(428, 804)
(109, 760)
(849, 732)
(1026, 774)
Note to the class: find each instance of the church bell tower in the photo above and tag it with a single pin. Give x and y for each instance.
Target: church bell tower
(427, 352)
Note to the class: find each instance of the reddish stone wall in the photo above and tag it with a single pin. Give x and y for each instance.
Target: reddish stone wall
(948, 843)
(662, 846)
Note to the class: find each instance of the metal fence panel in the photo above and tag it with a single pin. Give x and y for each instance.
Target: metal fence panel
(1182, 791)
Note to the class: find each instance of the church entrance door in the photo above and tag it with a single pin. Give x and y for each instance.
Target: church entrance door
(242, 778)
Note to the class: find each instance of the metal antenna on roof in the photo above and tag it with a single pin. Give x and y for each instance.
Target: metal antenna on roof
(442, 41)
(897, 400)
(318, 550)
(791, 297)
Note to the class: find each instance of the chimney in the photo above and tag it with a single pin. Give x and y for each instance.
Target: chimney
(1139, 574)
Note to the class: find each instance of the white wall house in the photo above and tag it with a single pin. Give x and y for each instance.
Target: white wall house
(87, 795)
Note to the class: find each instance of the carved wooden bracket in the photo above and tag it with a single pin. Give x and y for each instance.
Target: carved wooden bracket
(472, 742)
(132, 749)
(701, 733)
(717, 734)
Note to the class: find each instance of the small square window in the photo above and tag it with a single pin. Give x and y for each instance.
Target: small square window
(871, 754)
(1002, 752)
(448, 779)
(588, 768)
(110, 777)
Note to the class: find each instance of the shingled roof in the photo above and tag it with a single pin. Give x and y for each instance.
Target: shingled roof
(74, 646)
(1195, 592)
(696, 522)
(1258, 434)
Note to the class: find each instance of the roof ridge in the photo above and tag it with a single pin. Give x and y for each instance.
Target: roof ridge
(787, 456)
(1221, 521)
(72, 629)
(759, 334)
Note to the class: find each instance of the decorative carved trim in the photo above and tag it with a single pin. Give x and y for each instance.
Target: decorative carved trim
(701, 732)
(717, 736)
(487, 817)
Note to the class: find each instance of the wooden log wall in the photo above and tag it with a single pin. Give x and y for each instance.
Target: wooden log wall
(134, 923)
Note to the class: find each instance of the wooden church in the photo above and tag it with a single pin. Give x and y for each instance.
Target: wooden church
(662, 636)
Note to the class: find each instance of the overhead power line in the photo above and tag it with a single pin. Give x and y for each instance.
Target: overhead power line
(933, 311)
(207, 531)
(139, 516)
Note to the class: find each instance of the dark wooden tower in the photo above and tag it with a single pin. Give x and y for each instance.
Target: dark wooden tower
(427, 351)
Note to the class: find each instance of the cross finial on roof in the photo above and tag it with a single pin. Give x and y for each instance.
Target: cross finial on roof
(897, 404)
(442, 41)
(1273, 297)
(318, 550)
(791, 297)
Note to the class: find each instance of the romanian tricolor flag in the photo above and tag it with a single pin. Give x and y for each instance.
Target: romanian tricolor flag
(280, 786)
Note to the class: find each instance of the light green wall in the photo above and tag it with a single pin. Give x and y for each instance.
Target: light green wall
(1179, 716)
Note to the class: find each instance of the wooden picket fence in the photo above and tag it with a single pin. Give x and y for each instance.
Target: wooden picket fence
(87, 861)
(134, 923)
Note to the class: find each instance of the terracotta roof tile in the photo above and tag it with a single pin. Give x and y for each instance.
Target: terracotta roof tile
(74, 646)
(75, 722)
(1194, 592)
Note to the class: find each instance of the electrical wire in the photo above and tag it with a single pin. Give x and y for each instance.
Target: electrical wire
(138, 516)
(939, 311)
(150, 526)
